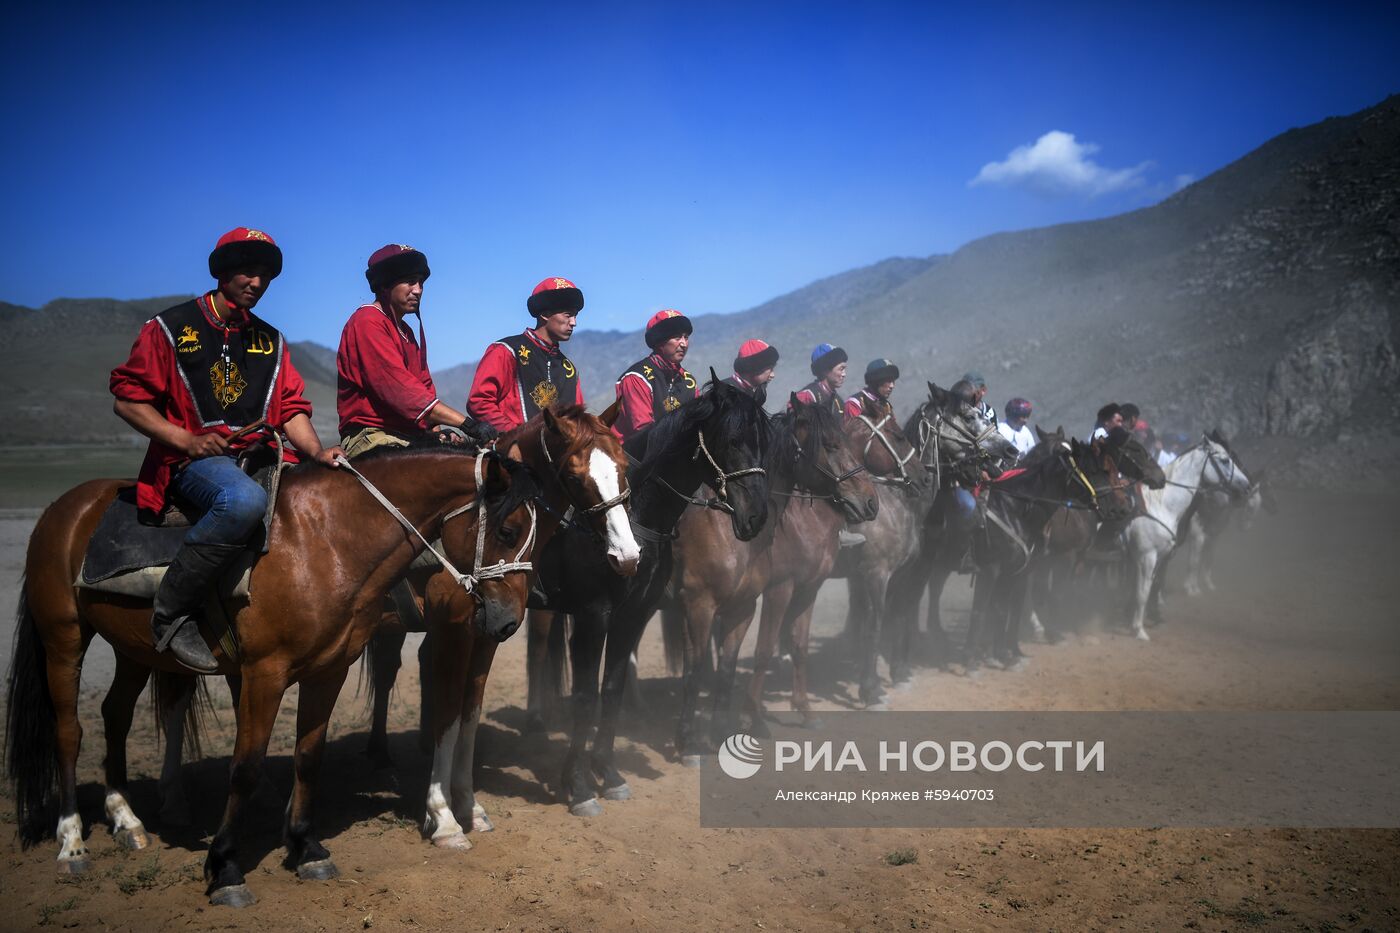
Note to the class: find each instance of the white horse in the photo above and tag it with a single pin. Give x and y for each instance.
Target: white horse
(1151, 537)
(1212, 516)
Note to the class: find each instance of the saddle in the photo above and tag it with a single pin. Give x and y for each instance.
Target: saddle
(128, 553)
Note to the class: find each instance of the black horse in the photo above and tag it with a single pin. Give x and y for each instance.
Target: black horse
(1019, 506)
(718, 440)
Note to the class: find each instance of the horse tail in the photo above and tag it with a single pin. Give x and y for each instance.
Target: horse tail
(557, 655)
(673, 639)
(168, 690)
(31, 733)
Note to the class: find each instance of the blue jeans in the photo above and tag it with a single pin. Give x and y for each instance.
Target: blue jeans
(964, 509)
(232, 502)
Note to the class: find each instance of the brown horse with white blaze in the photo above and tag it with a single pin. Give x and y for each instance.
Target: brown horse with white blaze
(316, 597)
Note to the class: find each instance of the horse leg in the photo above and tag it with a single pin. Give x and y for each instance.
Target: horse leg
(799, 616)
(724, 719)
(64, 670)
(304, 852)
(586, 654)
(174, 808)
(940, 647)
(464, 803)
(1208, 547)
(699, 617)
(978, 634)
(543, 667)
(617, 670)
(871, 587)
(1195, 549)
(770, 623)
(259, 696)
(1146, 575)
(117, 710)
(444, 677)
(384, 657)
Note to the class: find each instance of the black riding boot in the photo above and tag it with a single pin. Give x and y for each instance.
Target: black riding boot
(180, 599)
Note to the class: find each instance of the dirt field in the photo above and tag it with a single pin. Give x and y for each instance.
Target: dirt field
(1305, 619)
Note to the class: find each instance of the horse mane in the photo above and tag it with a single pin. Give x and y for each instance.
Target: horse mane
(524, 487)
(733, 412)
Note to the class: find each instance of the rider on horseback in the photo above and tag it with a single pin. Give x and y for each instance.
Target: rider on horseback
(207, 379)
(829, 366)
(880, 376)
(1109, 417)
(656, 384)
(384, 389)
(1015, 429)
(753, 369)
(523, 373)
(979, 386)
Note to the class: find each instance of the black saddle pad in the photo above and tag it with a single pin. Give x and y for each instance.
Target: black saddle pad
(122, 544)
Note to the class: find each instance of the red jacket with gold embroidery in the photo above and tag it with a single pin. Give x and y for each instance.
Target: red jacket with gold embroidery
(207, 376)
(519, 375)
(382, 377)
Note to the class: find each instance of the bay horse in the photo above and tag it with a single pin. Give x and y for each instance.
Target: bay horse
(817, 484)
(316, 597)
(719, 440)
(1206, 466)
(892, 537)
(584, 469)
(1020, 504)
(956, 443)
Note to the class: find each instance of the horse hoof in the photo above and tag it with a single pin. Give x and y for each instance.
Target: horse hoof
(480, 823)
(589, 807)
(74, 866)
(453, 841)
(692, 761)
(1142, 635)
(235, 895)
(133, 839)
(323, 869)
(1020, 664)
(620, 792)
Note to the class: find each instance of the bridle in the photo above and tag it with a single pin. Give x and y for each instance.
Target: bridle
(720, 482)
(468, 581)
(877, 431)
(574, 508)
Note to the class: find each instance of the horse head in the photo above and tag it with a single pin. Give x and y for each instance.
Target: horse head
(829, 460)
(887, 451)
(1222, 469)
(498, 542)
(1090, 479)
(1133, 459)
(586, 469)
(733, 434)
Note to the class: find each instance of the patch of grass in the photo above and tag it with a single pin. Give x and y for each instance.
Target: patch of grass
(49, 911)
(1246, 913)
(144, 877)
(902, 857)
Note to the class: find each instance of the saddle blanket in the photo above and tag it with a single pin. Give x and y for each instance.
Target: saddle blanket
(129, 558)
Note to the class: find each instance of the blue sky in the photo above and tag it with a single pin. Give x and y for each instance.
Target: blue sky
(703, 156)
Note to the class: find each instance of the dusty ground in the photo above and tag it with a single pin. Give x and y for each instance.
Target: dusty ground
(1305, 619)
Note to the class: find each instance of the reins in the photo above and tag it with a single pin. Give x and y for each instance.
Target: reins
(720, 501)
(877, 431)
(468, 582)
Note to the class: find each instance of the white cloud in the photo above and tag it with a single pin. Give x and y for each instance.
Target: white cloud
(1058, 164)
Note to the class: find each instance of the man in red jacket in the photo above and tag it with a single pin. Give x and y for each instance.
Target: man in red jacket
(198, 373)
(656, 384)
(523, 373)
(384, 389)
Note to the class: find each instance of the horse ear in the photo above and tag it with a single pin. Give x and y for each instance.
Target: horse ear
(550, 422)
(1216, 436)
(609, 415)
(714, 377)
(793, 403)
(1041, 434)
